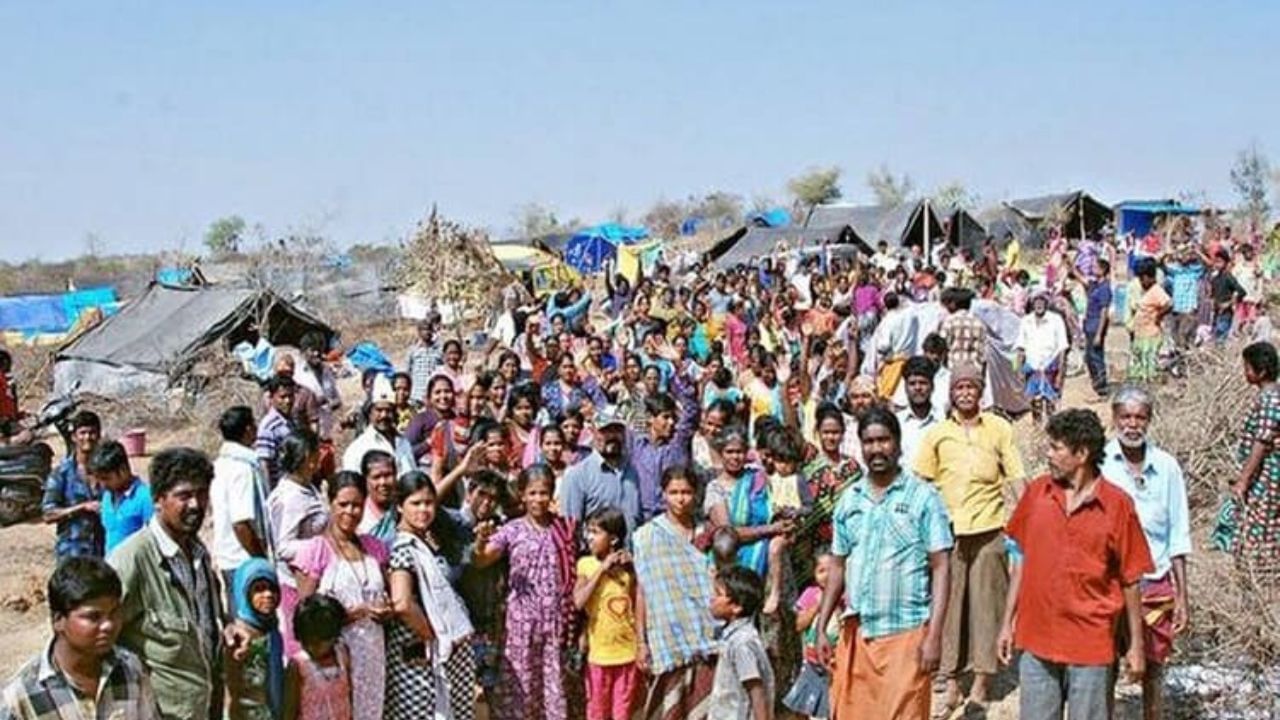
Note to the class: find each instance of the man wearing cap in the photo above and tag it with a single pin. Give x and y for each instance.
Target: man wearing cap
(605, 478)
(972, 459)
(381, 433)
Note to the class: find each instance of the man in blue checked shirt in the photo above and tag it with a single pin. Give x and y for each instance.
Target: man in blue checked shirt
(1182, 280)
(71, 497)
(893, 536)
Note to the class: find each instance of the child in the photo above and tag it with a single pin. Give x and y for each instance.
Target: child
(321, 671)
(84, 607)
(810, 695)
(255, 672)
(724, 548)
(743, 685)
(540, 548)
(786, 502)
(606, 591)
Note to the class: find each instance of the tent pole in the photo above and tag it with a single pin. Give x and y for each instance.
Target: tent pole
(1080, 209)
(925, 231)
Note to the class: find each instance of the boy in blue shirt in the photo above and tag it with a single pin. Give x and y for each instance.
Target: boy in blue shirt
(126, 500)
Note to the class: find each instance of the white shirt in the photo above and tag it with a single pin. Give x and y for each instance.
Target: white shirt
(238, 494)
(1042, 338)
(940, 399)
(371, 439)
(896, 335)
(297, 514)
(913, 430)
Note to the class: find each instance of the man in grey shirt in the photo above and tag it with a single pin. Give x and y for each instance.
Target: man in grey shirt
(743, 687)
(604, 478)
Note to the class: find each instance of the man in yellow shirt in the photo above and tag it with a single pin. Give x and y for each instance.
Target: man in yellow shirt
(972, 460)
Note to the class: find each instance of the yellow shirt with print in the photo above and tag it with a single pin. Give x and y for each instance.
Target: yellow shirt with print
(971, 467)
(611, 616)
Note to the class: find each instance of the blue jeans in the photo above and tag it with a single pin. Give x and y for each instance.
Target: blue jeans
(1046, 687)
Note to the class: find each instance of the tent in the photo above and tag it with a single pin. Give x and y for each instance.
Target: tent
(913, 223)
(750, 242)
(777, 217)
(964, 231)
(588, 249)
(155, 340)
(1078, 212)
(539, 270)
(49, 319)
(1137, 216)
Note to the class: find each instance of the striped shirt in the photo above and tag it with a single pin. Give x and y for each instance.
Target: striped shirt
(424, 360)
(885, 545)
(272, 430)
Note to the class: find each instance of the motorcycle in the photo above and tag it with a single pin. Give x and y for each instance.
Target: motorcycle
(25, 466)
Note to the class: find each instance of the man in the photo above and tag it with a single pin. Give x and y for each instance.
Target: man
(665, 445)
(920, 413)
(1097, 320)
(882, 260)
(381, 433)
(1041, 349)
(276, 425)
(238, 498)
(965, 333)
(1154, 480)
(426, 356)
(605, 477)
(972, 459)
(380, 516)
(892, 540)
(1149, 305)
(126, 501)
(317, 378)
(895, 338)
(169, 610)
(81, 667)
(1083, 555)
(71, 497)
(1183, 280)
(1225, 291)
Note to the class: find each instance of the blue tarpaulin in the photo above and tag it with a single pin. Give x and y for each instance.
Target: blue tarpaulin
(53, 314)
(589, 248)
(777, 217)
(1137, 216)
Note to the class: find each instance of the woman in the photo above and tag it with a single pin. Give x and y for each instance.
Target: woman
(440, 406)
(673, 606)
(450, 440)
(347, 566)
(297, 513)
(522, 410)
(452, 368)
(569, 389)
(509, 368)
(828, 475)
(1257, 489)
(427, 641)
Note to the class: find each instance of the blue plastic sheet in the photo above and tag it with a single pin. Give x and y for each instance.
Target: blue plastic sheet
(59, 313)
(368, 356)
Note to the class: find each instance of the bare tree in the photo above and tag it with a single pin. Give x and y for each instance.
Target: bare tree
(665, 217)
(954, 195)
(890, 189)
(533, 220)
(815, 187)
(1249, 177)
(720, 207)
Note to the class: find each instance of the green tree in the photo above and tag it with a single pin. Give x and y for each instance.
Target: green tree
(225, 235)
(815, 187)
(890, 189)
(1250, 176)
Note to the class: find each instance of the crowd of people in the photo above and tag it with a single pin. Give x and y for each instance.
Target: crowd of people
(778, 490)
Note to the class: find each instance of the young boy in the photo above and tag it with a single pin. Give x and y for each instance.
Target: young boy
(743, 688)
(126, 500)
(481, 587)
(81, 672)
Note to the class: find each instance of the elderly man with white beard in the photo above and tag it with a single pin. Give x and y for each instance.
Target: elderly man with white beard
(1154, 479)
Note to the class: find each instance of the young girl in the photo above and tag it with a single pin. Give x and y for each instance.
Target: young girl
(318, 682)
(788, 500)
(540, 547)
(810, 694)
(255, 675)
(606, 590)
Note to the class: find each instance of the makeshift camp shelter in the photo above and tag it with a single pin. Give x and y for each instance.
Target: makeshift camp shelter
(1078, 213)
(155, 340)
(588, 250)
(775, 218)
(964, 231)
(540, 271)
(750, 242)
(50, 319)
(914, 223)
(1137, 216)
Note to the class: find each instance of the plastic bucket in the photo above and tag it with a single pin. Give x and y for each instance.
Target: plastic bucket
(135, 441)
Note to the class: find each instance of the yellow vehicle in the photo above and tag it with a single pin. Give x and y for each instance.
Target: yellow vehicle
(540, 271)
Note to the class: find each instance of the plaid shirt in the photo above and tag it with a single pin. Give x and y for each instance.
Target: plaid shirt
(82, 534)
(676, 578)
(39, 691)
(966, 337)
(885, 544)
(1184, 285)
(424, 360)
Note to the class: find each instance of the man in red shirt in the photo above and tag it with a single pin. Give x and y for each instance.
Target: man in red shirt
(1084, 553)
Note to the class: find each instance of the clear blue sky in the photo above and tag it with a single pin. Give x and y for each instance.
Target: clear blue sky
(142, 122)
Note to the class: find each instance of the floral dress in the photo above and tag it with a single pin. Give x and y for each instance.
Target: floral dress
(1259, 528)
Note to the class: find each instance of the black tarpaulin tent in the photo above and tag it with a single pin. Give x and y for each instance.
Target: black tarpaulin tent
(964, 231)
(747, 243)
(157, 338)
(913, 223)
(1078, 213)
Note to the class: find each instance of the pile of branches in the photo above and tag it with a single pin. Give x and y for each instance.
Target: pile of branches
(448, 264)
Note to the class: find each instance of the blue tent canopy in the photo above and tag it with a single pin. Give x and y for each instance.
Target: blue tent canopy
(775, 218)
(53, 314)
(1137, 216)
(590, 248)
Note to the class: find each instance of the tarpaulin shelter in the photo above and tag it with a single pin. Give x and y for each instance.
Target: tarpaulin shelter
(964, 231)
(588, 249)
(756, 242)
(1137, 216)
(775, 218)
(48, 319)
(1078, 213)
(913, 223)
(155, 340)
